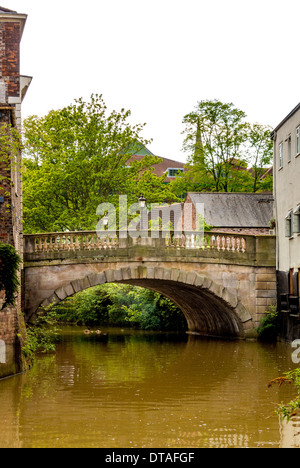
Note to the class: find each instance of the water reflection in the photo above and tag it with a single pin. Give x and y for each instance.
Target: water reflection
(138, 389)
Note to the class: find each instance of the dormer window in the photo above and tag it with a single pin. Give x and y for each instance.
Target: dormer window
(172, 172)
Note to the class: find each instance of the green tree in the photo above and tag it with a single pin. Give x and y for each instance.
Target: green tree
(76, 158)
(260, 156)
(221, 145)
(122, 305)
(215, 135)
(10, 147)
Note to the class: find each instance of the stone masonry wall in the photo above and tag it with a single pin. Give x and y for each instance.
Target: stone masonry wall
(11, 319)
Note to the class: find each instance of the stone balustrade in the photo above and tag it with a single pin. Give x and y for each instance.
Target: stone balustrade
(91, 240)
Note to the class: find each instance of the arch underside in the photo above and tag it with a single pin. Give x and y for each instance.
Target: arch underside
(205, 313)
(209, 308)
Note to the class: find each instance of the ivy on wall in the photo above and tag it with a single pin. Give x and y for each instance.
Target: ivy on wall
(9, 266)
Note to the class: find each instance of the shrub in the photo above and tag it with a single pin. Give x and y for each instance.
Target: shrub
(268, 328)
(9, 266)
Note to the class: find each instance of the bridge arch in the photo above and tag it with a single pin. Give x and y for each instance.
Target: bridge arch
(209, 308)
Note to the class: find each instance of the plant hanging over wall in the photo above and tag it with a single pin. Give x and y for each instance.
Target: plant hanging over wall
(10, 147)
(9, 266)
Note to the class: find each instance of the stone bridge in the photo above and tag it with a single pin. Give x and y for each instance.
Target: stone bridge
(223, 283)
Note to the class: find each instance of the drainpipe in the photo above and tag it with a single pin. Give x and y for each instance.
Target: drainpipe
(274, 138)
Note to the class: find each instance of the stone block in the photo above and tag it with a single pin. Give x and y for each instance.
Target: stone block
(150, 272)
(69, 290)
(110, 276)
(126, 273)
(264, 277)
(61, 293)
(118, 275)
(262, 301)
(76, 286)
(158, 273)
(199, 280)
(243, 313)
(230, 296)
(270, 294)
(207, 283)
(52, 300)
(93, 279)
(84, 283)
(217, 289)
(182, 277)
(262, 285)
(191, 278)
(134, 273)
(167, 275)
(174, 274)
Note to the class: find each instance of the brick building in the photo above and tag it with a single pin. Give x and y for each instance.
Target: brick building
(13, 87)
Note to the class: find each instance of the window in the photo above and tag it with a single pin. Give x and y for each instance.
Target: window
(289, 148)
(298, 140)
(172, 172)
(280, 155)
(288, 224)
(296, 220)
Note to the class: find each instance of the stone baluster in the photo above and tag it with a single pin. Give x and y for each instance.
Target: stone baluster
(39, 244)
(212, 242)
(77, 245)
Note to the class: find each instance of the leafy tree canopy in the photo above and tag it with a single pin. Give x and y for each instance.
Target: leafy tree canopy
(76, 158)
(225, 152)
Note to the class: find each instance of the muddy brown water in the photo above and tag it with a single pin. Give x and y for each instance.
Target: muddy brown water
(126, 388)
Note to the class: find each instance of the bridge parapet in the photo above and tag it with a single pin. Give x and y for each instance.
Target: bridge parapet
(235, 248)
(91, 240)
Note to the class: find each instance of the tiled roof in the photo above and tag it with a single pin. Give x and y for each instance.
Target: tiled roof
(162, 167)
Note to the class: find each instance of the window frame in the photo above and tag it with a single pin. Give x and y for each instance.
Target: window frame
(289, 224)
(280, 155)
(289, 143)
(296, 220)
(178, 169)
(298, 140)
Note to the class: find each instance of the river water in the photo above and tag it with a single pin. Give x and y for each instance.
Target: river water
(125, 388)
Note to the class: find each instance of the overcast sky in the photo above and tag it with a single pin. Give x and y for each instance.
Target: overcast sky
(158, 58)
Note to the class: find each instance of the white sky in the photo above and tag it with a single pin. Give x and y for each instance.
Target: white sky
(158, 58)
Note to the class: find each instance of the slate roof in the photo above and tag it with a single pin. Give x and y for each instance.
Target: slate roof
(6, 10)
(293, 111)
(239, 210)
